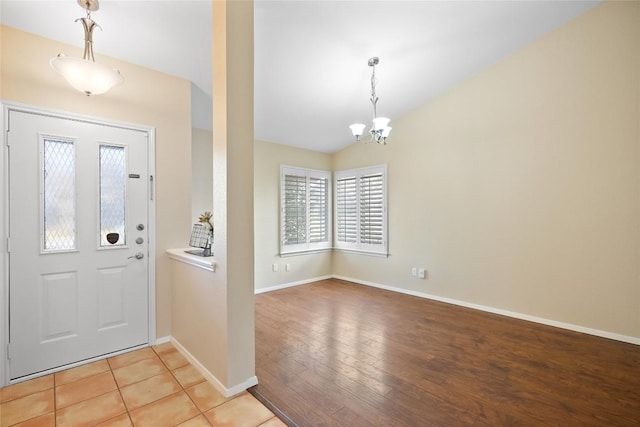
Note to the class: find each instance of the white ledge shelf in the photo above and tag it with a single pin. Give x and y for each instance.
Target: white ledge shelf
(207, 263)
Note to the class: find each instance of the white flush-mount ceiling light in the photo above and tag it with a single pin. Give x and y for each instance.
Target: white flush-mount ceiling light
(86, 75)
(379, 130)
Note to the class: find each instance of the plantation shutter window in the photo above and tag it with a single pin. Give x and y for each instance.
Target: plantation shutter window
(318, 209)
(360, 202)
(295, 206)
(305, 203)
(371, 209)
(346, 210)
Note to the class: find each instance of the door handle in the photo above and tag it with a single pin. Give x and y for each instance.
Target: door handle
(139, 255)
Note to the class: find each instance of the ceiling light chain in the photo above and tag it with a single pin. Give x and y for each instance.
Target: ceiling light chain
(380, 129)
(86, 75)
(374, 98)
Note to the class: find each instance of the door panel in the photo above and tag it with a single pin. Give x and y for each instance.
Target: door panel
(73, 294)
(111, 298)
(59, 318)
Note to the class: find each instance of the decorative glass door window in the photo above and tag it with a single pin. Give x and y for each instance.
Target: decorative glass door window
(112, 195)
(58, 194)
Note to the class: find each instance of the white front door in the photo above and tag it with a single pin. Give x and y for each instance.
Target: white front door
(78, 241)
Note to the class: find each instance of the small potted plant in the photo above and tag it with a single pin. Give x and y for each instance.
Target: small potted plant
(206, 219)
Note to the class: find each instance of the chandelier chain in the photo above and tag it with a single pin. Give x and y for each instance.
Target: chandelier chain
(374, 98)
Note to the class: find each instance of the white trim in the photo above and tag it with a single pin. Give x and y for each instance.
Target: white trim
(206, 263)
(8, 106)
(239, 388)
(226, 392)
(363, 252)
(4, 255)
(303, 252)
(291, 284)
(151, 247)
(163, 340)
(515, 315)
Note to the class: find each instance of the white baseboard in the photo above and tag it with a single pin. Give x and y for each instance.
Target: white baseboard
(163, 340)
(291, 284)
(568, 326)
(239, 388)
(226, 392)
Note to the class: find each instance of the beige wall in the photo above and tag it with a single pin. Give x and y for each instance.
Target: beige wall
(201, 173)
(147, 98)
(268, 158)
(213, 313)
(520, 188)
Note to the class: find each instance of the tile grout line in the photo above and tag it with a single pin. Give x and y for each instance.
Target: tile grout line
(126, 408)
(182, 387)
(193, 385)
(55, 402)
(110, 366)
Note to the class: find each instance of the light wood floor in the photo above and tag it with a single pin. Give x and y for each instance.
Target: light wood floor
(333, 353)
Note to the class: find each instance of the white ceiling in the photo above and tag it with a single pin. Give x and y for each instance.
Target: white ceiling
(311, 73)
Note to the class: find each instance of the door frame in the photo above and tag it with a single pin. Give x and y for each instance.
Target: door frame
(8, 107)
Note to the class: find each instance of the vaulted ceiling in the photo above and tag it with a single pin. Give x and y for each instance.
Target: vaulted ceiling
(311, 74)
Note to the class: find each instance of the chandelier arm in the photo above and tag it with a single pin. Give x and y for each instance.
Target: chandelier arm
(88, 25)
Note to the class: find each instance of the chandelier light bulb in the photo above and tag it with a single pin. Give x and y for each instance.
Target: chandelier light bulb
(380, 123)
(357, 130)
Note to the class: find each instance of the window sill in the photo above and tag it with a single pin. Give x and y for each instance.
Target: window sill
(349, 251)
(206, 263)
(304, 252)
(362, 252)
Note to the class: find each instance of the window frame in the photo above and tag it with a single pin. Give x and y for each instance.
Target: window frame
(357, 246)
(307, 246)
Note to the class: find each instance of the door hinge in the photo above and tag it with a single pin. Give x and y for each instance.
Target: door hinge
(9, 351)
(151, 187)
(8, 244)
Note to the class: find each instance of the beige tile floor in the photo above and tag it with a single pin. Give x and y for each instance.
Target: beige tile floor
(155, 387)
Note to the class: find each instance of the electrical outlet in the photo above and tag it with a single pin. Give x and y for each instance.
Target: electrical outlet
(414, 271)
(287, 267)
(422, 273)
(274, 267)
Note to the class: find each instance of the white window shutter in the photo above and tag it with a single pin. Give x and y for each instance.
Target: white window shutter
(318, 209)
(361, 210)
(295, 209)
(305, 210)
(346, 210)
(371, 209)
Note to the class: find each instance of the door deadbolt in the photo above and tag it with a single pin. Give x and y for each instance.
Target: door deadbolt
(140, 227)
(139, 240)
